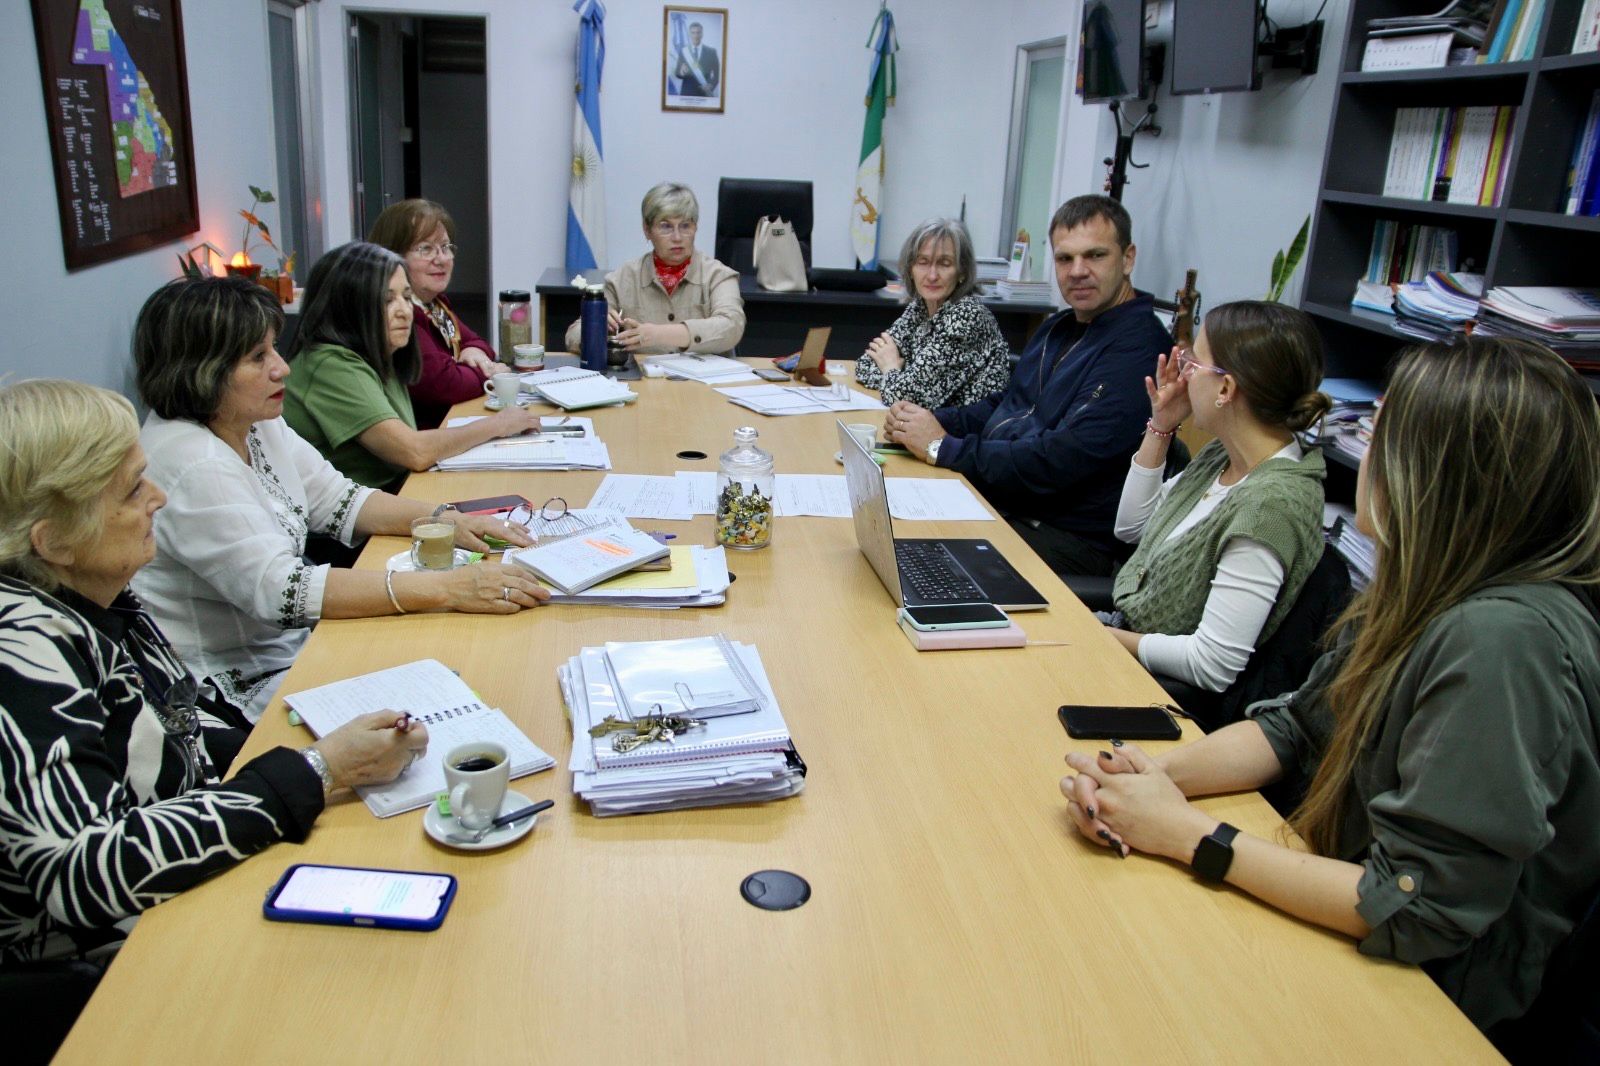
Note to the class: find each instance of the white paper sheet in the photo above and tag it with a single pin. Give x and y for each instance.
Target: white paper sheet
(934, 499)
(643, 496)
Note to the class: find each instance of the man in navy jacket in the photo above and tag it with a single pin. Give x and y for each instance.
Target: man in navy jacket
(1051, 452)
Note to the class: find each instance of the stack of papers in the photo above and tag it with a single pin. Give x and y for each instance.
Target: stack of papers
(569, 565)
(1039, 292)
(1355, 548)
(1564, 319)
(801, 399)
(438, 699)
(697, 577)
(532, 451)
(573, 388)
(741, 754)
(711, 369)
(1436, 307)
(690, 493)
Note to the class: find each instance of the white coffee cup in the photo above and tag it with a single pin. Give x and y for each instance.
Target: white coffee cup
(528, 356)
(477, 792)
(503, 387)
(865, 433)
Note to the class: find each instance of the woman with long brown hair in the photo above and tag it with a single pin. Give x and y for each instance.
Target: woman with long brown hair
(1450, 736)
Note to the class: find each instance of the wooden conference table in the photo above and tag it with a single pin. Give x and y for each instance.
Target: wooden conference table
(956, 916)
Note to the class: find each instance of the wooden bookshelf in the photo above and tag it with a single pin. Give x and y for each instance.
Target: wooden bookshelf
(1525, 240)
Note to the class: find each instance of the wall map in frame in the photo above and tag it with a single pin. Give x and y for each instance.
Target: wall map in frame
(117, 103)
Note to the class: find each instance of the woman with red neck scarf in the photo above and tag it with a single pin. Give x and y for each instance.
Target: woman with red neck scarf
(672, 298)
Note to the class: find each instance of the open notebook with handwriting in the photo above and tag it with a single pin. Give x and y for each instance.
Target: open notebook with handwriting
(438, 699)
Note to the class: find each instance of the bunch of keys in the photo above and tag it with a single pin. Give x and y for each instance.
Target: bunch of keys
(636, 733)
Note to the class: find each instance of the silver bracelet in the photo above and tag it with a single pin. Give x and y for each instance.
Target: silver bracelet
(320, 765)
(388, 584)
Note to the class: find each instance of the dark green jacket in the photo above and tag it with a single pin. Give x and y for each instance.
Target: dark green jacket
(1476, 804)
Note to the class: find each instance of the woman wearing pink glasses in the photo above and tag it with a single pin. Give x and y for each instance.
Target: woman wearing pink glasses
(1225, 547)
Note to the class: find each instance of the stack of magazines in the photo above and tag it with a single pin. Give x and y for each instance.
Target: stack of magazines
(668, 724)
(1567, 320)
(1438, 307)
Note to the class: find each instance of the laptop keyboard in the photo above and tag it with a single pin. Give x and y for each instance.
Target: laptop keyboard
(930, 574)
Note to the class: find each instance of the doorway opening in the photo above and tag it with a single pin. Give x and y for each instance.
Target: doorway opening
(419, 126)
(1031, 159)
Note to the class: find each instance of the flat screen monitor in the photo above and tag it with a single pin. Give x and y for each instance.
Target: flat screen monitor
(1111, 50)
(1214, 46)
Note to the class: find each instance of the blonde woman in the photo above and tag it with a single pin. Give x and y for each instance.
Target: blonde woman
(673, 298)
(1449, 738)
(112, 798)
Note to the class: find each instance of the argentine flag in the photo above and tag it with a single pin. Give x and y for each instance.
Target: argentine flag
(586, 206)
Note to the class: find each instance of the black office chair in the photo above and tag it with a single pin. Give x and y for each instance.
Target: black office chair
(1562, 1028)
(45, 998)
(743, 202)
(1283, 662)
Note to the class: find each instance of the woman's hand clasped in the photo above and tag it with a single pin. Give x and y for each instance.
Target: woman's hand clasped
(1169, 394)
(1123, 799)
(482, 362)
(491, 588)
(369, 750)
(884, 351)
(635, 335)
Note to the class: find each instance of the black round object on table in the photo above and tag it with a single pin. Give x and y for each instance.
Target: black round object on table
(775, 890)
(690, 453)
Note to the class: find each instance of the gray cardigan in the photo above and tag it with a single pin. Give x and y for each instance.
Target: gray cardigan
(1474, 808)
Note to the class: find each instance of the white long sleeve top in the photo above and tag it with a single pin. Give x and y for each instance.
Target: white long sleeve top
(1243, 591)
(229, 584)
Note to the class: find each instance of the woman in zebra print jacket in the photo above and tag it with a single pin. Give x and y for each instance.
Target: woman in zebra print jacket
(111, 753)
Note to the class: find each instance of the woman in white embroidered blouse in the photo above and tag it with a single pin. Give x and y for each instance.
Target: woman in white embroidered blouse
(229, 584)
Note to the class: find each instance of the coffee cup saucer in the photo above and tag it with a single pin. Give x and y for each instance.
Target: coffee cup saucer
(440, 827)
(402, 564)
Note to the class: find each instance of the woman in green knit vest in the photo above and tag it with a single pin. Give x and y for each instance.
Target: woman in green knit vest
(1449, 736)
(1225, 547)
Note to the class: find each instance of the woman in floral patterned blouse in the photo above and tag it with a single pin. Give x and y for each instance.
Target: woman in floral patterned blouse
(945, 349)
(229, 584)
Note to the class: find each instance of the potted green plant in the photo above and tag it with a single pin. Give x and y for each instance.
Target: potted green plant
(241, 264)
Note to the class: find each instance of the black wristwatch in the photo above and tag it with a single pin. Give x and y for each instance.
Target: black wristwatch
(1214, 854)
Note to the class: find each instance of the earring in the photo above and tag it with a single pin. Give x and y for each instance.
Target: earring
(1220, 402)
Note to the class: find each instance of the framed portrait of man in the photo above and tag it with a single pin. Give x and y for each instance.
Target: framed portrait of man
(694, 58)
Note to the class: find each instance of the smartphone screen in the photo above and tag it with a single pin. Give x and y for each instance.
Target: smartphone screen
(947, 615)
(353, 893)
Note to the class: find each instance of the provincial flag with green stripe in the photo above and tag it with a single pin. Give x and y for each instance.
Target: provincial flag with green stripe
(866, 206)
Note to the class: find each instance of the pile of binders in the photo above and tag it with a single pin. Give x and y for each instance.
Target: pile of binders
(738, 751)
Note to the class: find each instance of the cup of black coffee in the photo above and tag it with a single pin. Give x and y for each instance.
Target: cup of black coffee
(476, 773)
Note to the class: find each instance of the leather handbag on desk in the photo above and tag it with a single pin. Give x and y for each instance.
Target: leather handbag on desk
(779, 265)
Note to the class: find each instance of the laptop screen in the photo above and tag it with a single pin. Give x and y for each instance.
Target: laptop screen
(869, 507)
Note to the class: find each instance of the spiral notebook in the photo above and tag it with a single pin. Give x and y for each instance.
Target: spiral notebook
(437, 698)
(573, 388)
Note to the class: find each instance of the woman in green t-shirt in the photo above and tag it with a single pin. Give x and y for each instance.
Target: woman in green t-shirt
(354, 357)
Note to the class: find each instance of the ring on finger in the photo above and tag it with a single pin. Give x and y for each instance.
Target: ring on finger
(505, 593)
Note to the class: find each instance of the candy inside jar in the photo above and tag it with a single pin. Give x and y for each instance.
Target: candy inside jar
(745, 491)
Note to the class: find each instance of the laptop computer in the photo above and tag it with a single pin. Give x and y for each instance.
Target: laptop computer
(923, 572)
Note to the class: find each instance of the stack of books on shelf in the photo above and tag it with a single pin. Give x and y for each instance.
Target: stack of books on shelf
(1354, 547)
(1451, 35)
(991, 269)
(1513, 32)
(1456, 155)
(1031, 291)
(1348, 424)
(1587, 36)
(668, 724)
(1567, 320)
(1439, 306)
(1583, 176)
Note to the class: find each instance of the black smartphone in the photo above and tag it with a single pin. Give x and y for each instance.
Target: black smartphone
(491, 505)
(1122, 723)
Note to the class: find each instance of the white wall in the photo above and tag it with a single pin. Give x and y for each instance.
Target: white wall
(78, 325)
(795, 78)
